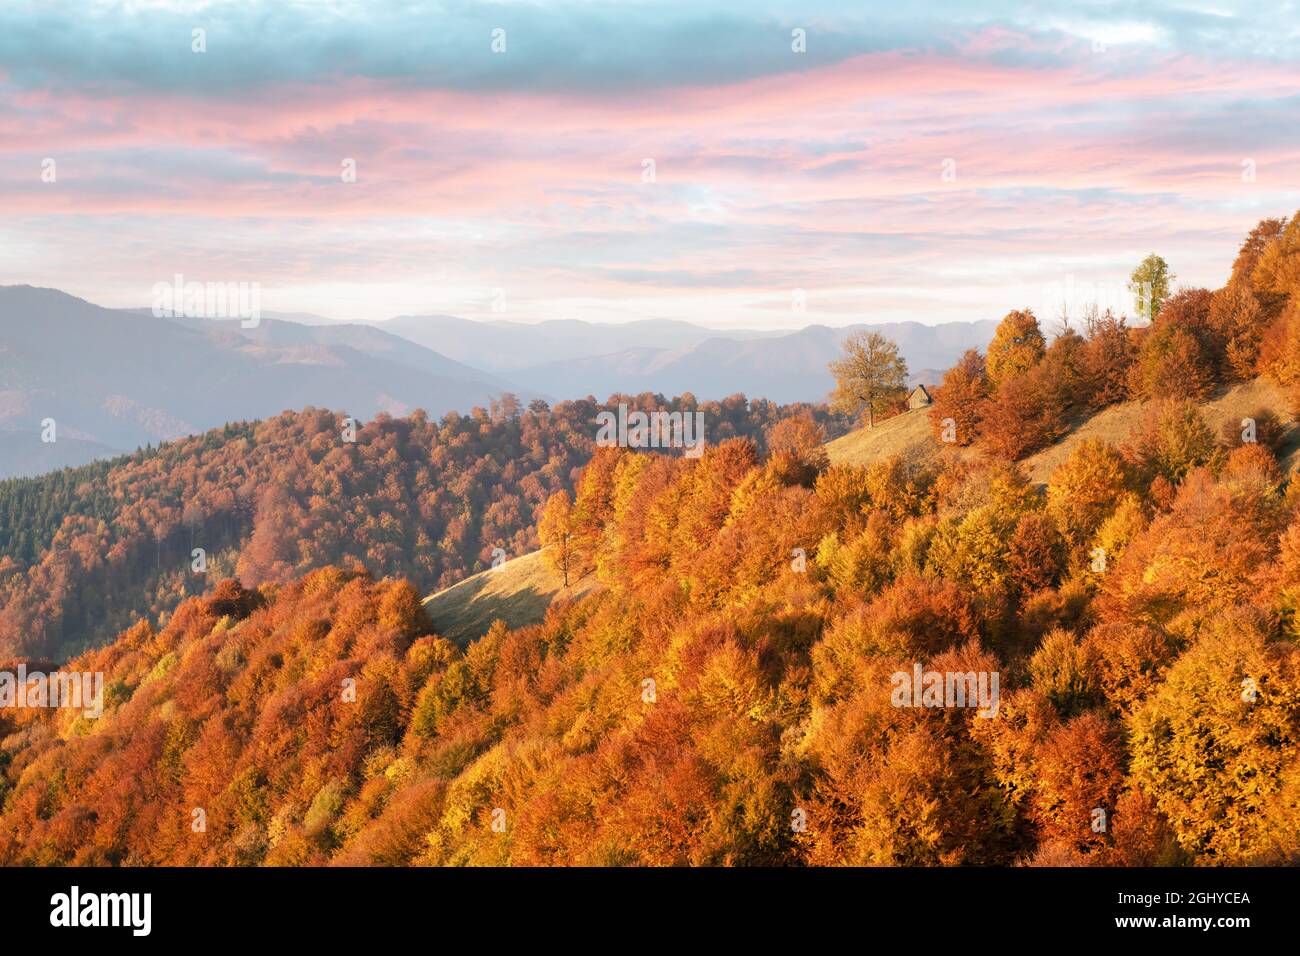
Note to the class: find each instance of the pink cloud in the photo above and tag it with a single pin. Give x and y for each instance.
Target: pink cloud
(786, 173)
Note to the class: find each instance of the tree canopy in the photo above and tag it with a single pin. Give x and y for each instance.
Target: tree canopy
(870, 378)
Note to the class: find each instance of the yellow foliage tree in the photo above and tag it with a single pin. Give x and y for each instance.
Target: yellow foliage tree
(556, 532)
(1084, 491)
(1017, 346)
(1215, 741)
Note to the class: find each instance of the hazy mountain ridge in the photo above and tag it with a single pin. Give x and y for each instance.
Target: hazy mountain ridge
(372, 340)
(117, 379)
(677, 357)
(504, 346)
(114, 380)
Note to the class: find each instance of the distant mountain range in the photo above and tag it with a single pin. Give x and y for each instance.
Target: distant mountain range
(507, 347)
(570, 358)
(113, 380)
(786, 368)
(116, 379)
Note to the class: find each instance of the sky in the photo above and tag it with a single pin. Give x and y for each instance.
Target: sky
(738, 165)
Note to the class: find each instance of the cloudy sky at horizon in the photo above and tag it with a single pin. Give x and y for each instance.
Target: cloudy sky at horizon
(927, 161)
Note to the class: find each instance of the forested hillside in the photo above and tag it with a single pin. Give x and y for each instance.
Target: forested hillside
(723, 687)
(730, 693)
(86, 552)
(1027, 393)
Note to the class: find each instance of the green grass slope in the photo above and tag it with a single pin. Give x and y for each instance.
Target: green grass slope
(1115, 424)
(518, 592)
(909, 434)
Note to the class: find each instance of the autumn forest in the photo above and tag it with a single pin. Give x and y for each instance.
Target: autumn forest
(724, 688)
